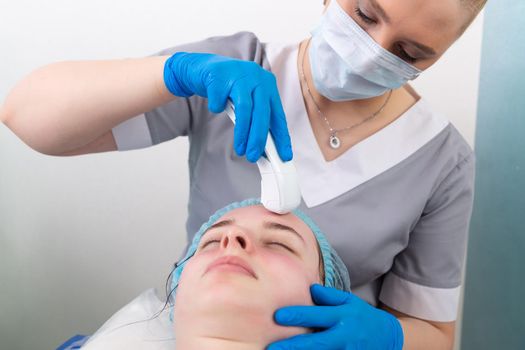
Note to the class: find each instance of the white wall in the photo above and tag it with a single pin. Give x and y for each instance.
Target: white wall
(81, 236)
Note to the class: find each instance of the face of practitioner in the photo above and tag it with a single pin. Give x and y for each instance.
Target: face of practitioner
(417, 31)
(247, 265)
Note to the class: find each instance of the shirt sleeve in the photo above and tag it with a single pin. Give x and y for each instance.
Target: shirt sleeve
(425, 280)
(184, 115)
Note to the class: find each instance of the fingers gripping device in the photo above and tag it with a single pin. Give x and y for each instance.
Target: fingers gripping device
(280, 191)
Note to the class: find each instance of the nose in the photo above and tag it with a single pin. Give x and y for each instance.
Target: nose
(236, 238)
(382, 37)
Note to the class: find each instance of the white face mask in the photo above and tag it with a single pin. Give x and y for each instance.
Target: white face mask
(347, 64)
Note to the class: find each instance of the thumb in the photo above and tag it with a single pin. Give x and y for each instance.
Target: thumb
(330, 296)
(217, 97)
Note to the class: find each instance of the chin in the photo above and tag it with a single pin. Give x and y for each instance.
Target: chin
(233, 293)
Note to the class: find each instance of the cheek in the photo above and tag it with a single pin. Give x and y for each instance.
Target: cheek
(426, 64)
(293, 276)
(190, 269)
(188, 284)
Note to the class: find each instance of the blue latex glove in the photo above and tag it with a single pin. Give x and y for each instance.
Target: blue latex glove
(345, 322)
(252, 89)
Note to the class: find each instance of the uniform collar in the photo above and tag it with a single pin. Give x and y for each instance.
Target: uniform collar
(321, 181)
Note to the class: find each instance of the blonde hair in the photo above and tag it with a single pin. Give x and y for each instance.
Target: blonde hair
(474, 5)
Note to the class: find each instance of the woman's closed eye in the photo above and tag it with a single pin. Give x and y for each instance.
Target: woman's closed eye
(401, 52)
(364, 17)
(209, 243)
(280, 245)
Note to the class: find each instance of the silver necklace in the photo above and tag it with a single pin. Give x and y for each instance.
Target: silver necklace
(334, 141)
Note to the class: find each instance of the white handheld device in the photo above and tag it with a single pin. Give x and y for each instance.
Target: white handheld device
(280, 191)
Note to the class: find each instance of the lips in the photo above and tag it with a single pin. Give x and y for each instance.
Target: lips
(232, 261)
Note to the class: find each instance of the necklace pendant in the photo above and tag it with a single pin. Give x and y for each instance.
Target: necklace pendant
(335, 143)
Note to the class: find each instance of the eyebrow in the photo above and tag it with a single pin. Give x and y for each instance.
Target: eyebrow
(270, 225)
(222, 223)
(379, 10)
(424, 48)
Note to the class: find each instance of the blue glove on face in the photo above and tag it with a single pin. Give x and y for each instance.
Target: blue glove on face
(346, 323)
(252, 89)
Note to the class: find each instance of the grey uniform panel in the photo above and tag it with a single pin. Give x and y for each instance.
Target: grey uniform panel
(180, 117)
(437, 244)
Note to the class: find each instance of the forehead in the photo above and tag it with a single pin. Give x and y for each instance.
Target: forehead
(255, 215)
(434, 13)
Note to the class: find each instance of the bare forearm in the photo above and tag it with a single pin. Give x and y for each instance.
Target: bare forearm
(422, 335)
(66, 105)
